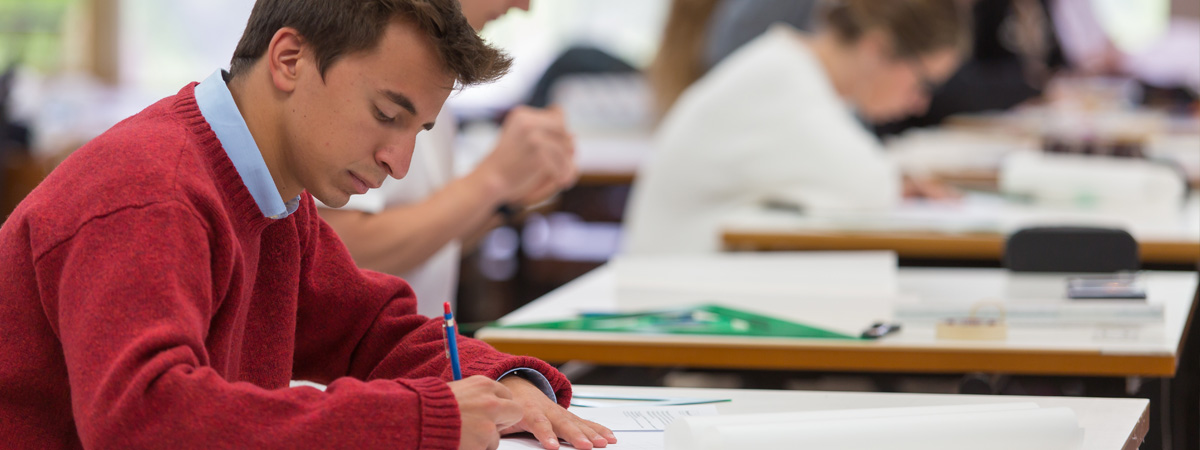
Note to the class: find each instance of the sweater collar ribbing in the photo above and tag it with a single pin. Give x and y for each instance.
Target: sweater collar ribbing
(241, 203)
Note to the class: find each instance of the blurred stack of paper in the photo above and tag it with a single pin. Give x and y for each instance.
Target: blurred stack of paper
(1133, 185)
(1050, 312)
(820, 289)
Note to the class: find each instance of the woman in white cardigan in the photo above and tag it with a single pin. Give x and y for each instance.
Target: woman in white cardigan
(777, 121)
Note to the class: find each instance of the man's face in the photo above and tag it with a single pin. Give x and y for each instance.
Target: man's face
(899, 88)
(480, 12)
(348, 132)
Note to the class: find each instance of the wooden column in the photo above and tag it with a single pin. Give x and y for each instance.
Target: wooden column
(102, 51)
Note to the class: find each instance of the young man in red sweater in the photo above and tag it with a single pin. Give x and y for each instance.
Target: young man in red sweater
(166, 282)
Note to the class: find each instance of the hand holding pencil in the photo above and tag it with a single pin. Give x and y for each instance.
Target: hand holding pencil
(489, 408)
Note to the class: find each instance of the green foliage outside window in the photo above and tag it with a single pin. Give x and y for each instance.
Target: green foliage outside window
(31, 32)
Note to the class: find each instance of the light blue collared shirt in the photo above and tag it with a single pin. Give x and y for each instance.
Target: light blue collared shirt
(222, 114)
(219, 110)
(534, 377)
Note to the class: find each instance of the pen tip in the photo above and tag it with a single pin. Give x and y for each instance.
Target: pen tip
(446, 306)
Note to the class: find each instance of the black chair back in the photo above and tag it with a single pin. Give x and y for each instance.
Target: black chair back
(1071, 249)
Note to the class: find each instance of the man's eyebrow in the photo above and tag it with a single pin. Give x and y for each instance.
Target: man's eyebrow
(404, 102)
(400, 99)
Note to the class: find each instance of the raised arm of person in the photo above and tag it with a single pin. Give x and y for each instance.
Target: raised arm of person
(533, 159)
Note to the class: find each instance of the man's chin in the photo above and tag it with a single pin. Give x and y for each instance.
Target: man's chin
(336, 200)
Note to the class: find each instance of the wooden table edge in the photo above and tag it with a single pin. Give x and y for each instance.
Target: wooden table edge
(989, 246)
(1138, 435)
(836, 358)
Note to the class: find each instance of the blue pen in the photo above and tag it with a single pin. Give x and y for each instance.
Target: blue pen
(452, 342)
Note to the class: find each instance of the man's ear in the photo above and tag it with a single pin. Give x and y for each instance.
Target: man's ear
(283, 58)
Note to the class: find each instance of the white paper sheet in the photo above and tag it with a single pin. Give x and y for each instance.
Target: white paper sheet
(626, 440)
(839, 291)
(636, 428)
(978, 427)
(642, 418)
(1049, 312)
(789, 274)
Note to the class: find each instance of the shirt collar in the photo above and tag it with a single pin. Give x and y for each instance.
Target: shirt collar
(221, 112)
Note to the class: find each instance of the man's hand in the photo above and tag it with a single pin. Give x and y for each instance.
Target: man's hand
(550, 422)
(486, 407)
(929, 188)
(534, 156)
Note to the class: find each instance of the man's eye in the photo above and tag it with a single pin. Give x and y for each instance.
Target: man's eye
(380, 116)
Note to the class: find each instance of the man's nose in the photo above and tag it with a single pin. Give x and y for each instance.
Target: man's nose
(396, 157)
(920, 104)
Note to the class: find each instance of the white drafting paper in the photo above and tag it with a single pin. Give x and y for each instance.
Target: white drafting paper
(978, 427)
(642, 418)
(626, 440)
(636, 428)
(838, 291)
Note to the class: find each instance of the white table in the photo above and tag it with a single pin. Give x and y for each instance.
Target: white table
(974, 228)
(1086, 350)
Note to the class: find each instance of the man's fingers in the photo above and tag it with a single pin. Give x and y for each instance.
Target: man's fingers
(556, 130)
(542, 193)
(553, 112)
(534, 143)
(558, 150)
(569, 177)
(571, 173)
(543, 430)
(601, 431)
(571, 144)
(552, 156)
(550, 119)
(568, 428)
(591, 430)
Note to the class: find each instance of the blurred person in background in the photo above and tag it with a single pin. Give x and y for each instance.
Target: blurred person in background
(1019, 47)
(776, 121)
(415, 227)
(1015, 51)
(1156, 42)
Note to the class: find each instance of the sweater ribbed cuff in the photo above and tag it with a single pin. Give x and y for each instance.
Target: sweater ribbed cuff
(441, 422)
(497, 364)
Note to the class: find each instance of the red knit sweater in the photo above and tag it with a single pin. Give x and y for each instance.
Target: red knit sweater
(145, 302)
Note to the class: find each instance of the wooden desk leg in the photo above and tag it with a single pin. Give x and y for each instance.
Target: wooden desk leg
(1184, 395)
(1173, 423)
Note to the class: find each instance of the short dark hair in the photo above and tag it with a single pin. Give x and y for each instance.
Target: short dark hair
(335, 28)
(916, 27)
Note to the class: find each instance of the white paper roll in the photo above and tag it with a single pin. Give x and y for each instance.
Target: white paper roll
(1092, 181)
(981, 427)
